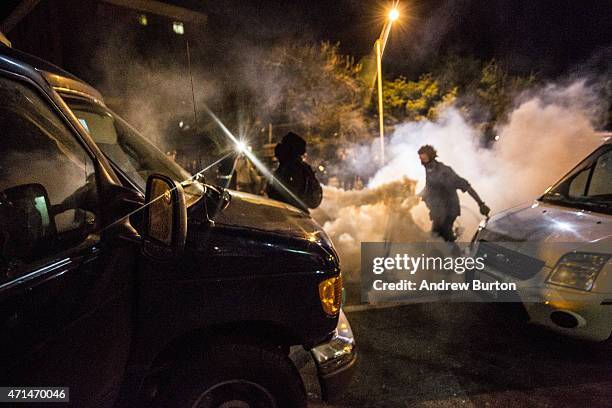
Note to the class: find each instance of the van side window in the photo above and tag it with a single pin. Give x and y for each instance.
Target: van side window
(601, 179)
(48, 198)
(577, 187)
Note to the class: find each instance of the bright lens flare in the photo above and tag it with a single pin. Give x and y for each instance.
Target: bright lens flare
(241, 147)
(394, 14)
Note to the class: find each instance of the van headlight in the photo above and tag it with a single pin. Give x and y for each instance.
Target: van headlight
(578, 270)
(330, 293)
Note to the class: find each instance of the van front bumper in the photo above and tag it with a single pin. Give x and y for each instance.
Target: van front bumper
(335, 360)
(570, 312)
(582, 315)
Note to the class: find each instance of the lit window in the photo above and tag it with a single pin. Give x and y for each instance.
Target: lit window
(178, 28)
(142, 19)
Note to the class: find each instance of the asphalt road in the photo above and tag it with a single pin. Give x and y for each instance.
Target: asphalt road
(467, 355)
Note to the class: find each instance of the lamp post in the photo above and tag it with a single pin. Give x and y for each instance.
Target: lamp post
(380, 48)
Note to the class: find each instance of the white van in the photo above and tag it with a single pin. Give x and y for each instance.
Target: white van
(558, 250)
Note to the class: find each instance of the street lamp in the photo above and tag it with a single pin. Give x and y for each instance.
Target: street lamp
(380, 48)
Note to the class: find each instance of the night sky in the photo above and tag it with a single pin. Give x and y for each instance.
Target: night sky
(549, 37)
(546, 37)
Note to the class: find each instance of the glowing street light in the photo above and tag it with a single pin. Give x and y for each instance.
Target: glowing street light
(393, 14)
(380, 48)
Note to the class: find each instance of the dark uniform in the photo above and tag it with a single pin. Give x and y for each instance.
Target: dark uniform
(440, 196)
(299, 178)
(294, 181)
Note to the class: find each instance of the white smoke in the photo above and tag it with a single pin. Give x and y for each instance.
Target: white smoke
(370, 215)
(547, 133)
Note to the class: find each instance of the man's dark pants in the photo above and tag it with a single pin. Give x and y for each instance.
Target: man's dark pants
(443, 227)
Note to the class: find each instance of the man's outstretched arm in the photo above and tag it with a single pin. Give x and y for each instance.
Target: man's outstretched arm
(484, 209)
(463, 185)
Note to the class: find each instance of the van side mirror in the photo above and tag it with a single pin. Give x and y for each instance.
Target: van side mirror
(165, 218)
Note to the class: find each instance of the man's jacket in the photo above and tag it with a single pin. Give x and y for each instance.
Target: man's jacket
(440, 193)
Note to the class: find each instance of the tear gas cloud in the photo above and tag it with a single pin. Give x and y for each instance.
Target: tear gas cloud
(150, 93)
(155, 98)
(547, 133)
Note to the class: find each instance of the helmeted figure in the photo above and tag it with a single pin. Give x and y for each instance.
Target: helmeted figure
(440, 194)
(295, 182)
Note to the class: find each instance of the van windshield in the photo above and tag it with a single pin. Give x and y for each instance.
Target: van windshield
(126, 148)
(588, 186)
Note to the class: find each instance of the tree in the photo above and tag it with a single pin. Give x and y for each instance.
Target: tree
(318, 87)
(405, 100)
(496, 90)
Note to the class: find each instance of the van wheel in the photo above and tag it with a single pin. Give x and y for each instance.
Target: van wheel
(234, 376)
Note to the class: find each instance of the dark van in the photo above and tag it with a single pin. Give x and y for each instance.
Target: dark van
(133, 284)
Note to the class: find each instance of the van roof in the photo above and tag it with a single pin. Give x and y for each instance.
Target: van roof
(58, 78)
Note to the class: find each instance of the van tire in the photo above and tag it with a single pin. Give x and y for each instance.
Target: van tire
(234, 372)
